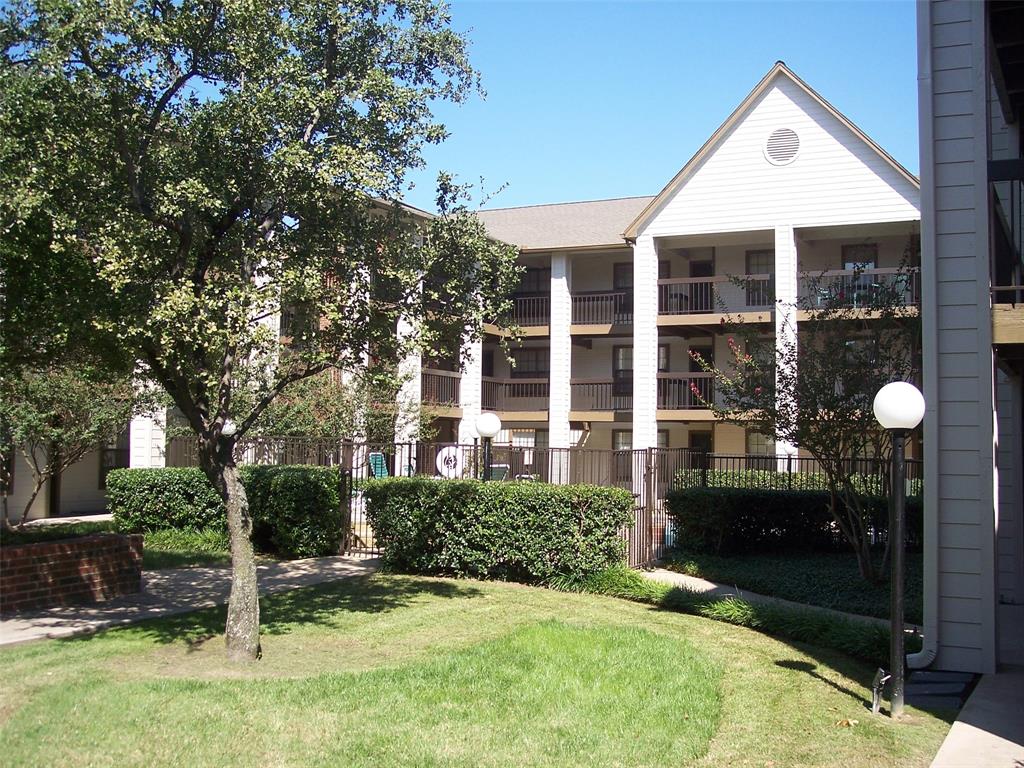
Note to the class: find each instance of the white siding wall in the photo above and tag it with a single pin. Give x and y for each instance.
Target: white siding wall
(835, 179)
(957, 341)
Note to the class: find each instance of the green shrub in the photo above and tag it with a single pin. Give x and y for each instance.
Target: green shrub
(746, 520)
(143, 500)
(524, 532)
(295, 509)
(766, 479)
(861, 639)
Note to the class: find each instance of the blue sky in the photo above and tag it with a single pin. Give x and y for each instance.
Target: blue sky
(587, 100)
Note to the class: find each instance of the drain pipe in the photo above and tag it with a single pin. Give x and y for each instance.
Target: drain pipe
(929, 343)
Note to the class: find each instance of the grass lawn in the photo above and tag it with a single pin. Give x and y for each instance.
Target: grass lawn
(401, 671)
(160, 549)
(830, 580)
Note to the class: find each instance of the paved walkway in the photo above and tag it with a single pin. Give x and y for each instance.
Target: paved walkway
(990, 729)
(177, 590)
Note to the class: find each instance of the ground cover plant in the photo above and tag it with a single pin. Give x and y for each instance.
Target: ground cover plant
(827, 579)
(396, 671)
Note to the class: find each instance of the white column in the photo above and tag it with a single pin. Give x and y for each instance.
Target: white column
(409, 393)
(559, 391)
(561, 353)
(786, 286)
(645, 344)
(147, 440)
(470, 390)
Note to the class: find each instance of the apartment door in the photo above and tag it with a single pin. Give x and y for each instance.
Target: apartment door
(701, 445)
(702, 295)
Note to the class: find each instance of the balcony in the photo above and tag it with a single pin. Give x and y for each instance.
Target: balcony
(601, 395)
(611, 308)
(861, 289)
(719, 293)
(685, 391)
(440, 387)
(531, 311)
(514, 394)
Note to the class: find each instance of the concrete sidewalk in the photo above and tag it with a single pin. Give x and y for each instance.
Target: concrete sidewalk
(712, 589)
(990, 729)
(177, 590)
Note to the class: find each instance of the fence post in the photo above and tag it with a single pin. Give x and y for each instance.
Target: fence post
(704, 459)
(651, 494)
(789, 471)
(345, 500)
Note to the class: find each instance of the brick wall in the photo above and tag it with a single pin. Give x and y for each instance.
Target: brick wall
(88, 569)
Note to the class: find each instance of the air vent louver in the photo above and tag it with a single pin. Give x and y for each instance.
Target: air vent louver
(782, 146)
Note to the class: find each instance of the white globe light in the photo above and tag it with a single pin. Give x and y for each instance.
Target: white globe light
(488, 424)
(229, 428)
(899, 405)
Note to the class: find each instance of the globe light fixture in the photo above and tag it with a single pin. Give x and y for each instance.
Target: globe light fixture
(488, 425)
(899, 405)
(899, 408)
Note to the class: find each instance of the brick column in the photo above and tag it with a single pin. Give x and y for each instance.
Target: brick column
(786, 286)
(645, 344)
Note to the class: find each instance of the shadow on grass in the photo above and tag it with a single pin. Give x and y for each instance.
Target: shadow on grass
(811, 669)
(318, 605)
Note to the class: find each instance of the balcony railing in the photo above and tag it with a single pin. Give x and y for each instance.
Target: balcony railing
(701, 295)
(531, 310)
(440, 387)
(514, 394)
(685, 391)
(859, 289)
(600, 308)
(601, 395)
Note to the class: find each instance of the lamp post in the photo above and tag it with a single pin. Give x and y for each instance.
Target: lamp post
(488, 425)
(899, 408)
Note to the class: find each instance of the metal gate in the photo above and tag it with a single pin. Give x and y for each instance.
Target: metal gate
(358, 538)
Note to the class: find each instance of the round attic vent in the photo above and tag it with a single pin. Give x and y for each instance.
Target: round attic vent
(782, 146)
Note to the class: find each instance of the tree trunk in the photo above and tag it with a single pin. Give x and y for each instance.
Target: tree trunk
(242, 631)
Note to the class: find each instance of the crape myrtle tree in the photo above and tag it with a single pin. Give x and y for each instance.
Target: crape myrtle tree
(206, 163)
(814, 389)
(56, 414)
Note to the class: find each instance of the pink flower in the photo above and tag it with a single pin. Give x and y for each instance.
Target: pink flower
(757, 390)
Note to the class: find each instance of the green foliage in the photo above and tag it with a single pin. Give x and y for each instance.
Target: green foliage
(36, 533)
(867, 485)
(863, 640)
(295, 509)
(526, 532)
(736, 520)
(180, 498)
(825, 579)
(54, 415)
(179, 548)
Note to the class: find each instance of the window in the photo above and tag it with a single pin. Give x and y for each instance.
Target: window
(622, 371)
(622, 276)
(114, 455)
(535, 281)
(707, 354)
(487, 363)
(663, 438)
(622, 440)
(860, 256)
(531, 363)
(760, 445)
(663, 358)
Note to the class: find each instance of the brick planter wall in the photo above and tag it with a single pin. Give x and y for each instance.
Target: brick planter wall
(87, 569)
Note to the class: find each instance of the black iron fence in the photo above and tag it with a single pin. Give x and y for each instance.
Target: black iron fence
(649, 474)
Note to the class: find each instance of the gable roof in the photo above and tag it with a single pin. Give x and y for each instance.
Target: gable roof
(564, 225)
(778, 70)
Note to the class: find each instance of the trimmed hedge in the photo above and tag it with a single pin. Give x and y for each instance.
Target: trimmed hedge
(767, 479)
(296, 510)
(527, 532)
(741, 520)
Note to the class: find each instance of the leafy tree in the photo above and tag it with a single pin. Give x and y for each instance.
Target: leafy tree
(55, 415)
(815, 389)
(207, 163)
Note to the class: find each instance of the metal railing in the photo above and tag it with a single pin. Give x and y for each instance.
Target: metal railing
(684, 391)
(857, 289)
(601, 394)
(531, 311)
(602, 308)
(718, 293)
(514, 394)
(440, 387)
